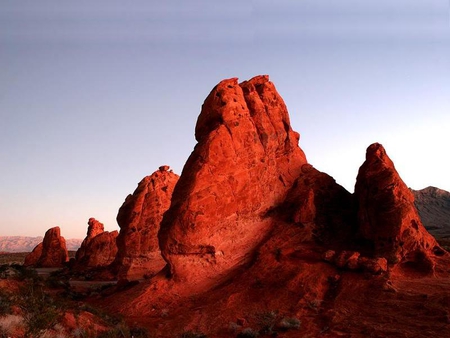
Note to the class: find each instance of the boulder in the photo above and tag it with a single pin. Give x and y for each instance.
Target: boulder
(245, 162)
(139, 219)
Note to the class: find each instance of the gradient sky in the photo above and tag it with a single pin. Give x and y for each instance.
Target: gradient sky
(95, 95)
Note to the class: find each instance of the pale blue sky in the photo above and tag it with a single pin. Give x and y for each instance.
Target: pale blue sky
(95, 95)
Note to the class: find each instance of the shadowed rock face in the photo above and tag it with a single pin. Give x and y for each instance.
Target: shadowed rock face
(98, 249)
(52, 253)
(324, 210)
(139, 219)
(387, 217)
(246, 160)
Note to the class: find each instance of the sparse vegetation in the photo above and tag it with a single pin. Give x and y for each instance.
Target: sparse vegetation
(40, 310)
(38, 313)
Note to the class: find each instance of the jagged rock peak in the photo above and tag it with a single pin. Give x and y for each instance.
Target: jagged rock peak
(256, 101)
(246, 159)
(387, 217)
(139, 219)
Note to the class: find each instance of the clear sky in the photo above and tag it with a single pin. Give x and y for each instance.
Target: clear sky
(95, 95)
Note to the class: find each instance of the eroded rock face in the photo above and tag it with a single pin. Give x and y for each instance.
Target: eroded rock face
(98, 249)
(52, 251)
(246, 160)
(387, 217)
(139, 219)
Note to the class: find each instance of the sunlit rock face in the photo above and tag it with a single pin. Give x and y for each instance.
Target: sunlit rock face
(387, 217)
(139, 219)
(246, 159)
(51, 253)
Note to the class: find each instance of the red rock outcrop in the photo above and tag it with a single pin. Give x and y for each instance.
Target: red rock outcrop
(53, 251)
(246, 160)
(94, 228)
(33, 257)
(387, 217)
(139, 219)
(98, 249)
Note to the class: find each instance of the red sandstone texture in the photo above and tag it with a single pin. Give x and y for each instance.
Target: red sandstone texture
(51, 253)
(139, 219)
(98, 249)
(387, 217)
(246, 160)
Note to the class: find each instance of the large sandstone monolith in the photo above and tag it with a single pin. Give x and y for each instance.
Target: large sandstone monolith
(139, 219)
(53, 251)
(246, 159)
(387, 217)
(98, 249)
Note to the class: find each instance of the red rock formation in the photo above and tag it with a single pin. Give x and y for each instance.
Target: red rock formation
(98, 249)
(388, 219)
(94, 228)
(139, 219)
(33, 257)
(246, 160)
(51, 253)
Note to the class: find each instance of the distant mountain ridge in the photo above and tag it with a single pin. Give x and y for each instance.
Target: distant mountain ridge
(27, 244)
(433, 205)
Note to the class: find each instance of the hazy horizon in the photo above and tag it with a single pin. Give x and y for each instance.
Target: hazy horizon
(95, 96)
